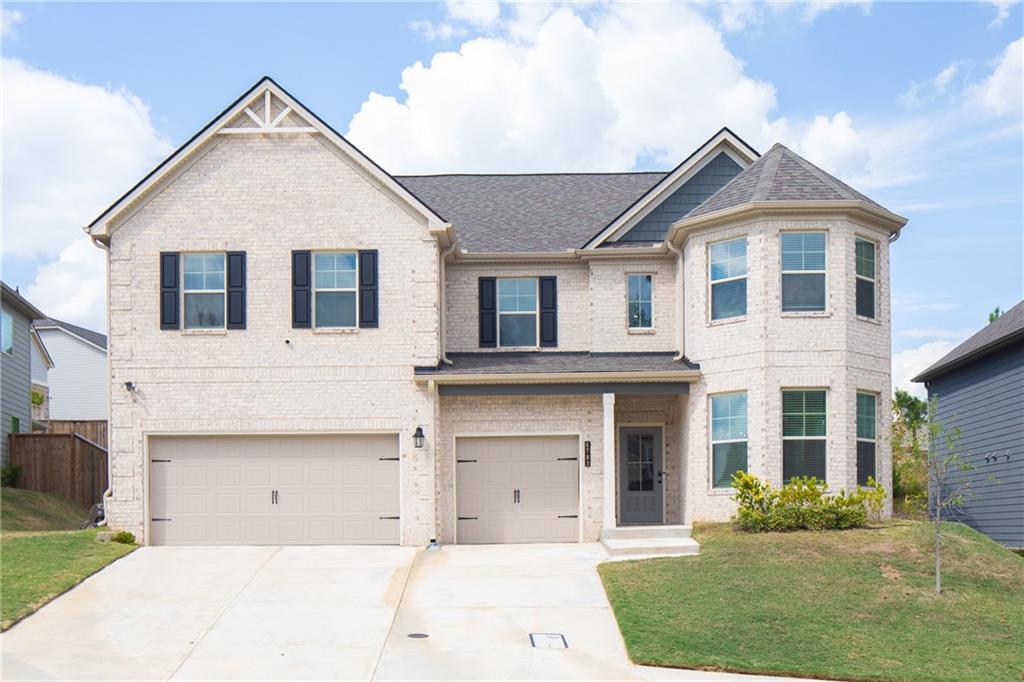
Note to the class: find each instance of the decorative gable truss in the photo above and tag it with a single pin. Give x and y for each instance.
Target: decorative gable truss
(265, 115)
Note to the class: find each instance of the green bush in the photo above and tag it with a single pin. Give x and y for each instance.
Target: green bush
(802, 504)
(10, 475)
(124, 537)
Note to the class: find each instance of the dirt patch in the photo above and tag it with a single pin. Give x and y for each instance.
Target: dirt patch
(890, 572)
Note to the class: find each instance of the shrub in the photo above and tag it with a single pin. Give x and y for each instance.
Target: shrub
(38, 398)
(802, 504)
(124, 537)
(10, 475)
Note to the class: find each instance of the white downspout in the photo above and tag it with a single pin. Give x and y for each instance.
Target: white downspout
(680, 311)
(443, 304)
(109, 492)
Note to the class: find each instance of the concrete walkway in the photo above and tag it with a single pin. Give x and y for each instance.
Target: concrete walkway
(332, 613)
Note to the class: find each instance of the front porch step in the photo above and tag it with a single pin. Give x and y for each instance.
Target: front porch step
(643, 532)
(635, 548)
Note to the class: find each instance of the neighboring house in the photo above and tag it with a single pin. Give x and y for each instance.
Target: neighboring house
(16, 316)
(978, 389)
(78, 381)
(306, 349)
(40, 364)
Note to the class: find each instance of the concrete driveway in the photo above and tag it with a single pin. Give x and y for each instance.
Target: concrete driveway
(331, 613)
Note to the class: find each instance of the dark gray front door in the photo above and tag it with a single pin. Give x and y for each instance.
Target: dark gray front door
(641, 486)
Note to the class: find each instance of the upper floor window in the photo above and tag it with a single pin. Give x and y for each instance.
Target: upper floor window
(728, 271)
(517, 312)
(335, 289)
(204, 290)
(803, 434)
(865, 437)
(7, 333)
(728, 437)
(865, 266)
(803, 271)
(641, 311)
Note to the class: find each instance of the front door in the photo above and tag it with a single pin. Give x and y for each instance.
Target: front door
(641, 479)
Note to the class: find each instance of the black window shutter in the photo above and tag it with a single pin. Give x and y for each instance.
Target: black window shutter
(548, 312)
(236, 289)
(169, 296)
(488, 312)
(369, 298)
(302, 317)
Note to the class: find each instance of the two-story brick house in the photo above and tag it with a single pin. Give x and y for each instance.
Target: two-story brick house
(306, 349)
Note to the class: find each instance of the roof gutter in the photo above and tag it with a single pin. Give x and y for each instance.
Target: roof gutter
(690, 375)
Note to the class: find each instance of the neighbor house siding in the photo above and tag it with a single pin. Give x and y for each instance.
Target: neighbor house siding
(78, 379)
(15, 375)
(984, 400)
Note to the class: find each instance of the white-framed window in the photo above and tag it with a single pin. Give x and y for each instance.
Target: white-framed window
(803, 434)
(803, 271)
(204, 300)
(7, 333)
(867, 412)
(727, 270)
(728, 437)
(639, 301)
(335, 289)
(518, 321)
(865, 251)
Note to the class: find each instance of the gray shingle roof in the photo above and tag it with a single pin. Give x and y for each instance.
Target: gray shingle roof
(779, 175)
(1008, 328)
(89, 335)
(13, 298)
(557, 362)
(520, 213)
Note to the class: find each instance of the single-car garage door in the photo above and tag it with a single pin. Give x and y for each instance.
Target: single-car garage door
(274, 490)
(517, 489)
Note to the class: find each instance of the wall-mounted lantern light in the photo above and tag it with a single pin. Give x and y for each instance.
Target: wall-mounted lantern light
(417, 437)
(129, 386)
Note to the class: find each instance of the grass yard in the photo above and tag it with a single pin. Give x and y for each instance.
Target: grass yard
(855, 604)
(39, 557)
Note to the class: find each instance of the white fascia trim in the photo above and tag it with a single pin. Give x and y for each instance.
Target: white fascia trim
(102, 226)
(41, 348)
(689, 376)
(74, 336)
(724, 141)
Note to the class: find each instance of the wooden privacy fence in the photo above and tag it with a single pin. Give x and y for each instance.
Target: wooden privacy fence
(96, 431)
(65, 464)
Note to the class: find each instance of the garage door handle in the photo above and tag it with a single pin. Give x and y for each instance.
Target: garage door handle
(468, 518)
(568, 516)
(568, 459)
(515, 496)
(386, 518)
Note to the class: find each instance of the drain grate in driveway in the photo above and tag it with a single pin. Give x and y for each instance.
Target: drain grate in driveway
(548, 640)
(417, 635)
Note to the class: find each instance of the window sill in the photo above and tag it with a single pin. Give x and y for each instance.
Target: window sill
(870, 320)
(640, 330)
(204, 332)
(517, 349)
(336, 330)
(807, 313)
(727, 320)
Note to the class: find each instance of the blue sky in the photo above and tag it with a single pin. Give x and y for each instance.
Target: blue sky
(918, 105)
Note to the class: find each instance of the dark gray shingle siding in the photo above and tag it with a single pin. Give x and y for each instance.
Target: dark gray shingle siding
(711, 178)
(1009, 325)
(985, 400)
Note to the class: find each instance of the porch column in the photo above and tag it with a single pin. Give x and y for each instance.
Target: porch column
(608, 450)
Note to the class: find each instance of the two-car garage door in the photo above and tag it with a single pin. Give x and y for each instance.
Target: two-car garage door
(274, 490)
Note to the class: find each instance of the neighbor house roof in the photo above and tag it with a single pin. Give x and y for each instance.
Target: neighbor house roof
(779, 175)
(95, 338)
(564, 362)
(1006, 329)
(545, 212)
(14, 299)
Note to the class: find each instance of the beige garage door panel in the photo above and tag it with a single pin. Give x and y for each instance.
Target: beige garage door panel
(330, 490)
(545, 471)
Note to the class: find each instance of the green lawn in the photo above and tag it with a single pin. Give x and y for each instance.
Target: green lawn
(37, 561)
(856, 604)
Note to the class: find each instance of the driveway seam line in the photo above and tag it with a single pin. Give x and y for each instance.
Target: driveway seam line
(394, 616)
(222, 611)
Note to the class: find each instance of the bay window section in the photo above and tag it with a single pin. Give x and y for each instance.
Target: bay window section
(865, 279)
(728, 273)
(641, 311)
(866, 436)
(204, 299)
(803, 434)
(803, 271)
(335, 290)
(517, 312)
(728, 438)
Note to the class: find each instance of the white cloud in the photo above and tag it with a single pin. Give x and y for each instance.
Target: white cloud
(919, 303)
(737, 15)
(907, 364)
(478, 12)
(73, 287)
(834, 144)
(9, 18)
(1001, 92)
(936, 333)
(1002, 11)
(945, 76)
(630, 81)
(816, 7)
